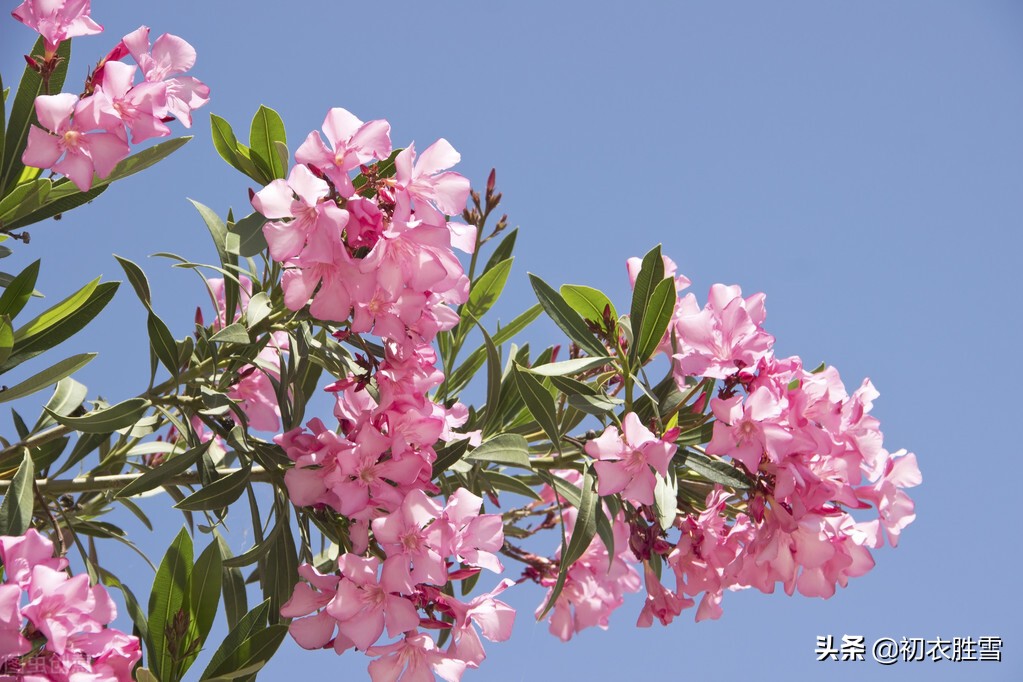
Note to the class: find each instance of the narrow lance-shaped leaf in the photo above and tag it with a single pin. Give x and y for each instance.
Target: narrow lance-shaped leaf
(267, 129)
(47, 377)
(16, 509)
(168, 596)
(588, 302)
(539, 403)
(137, 278)
(163, 343)
(650, 273)
(178, 464)
(656, 317)
(509, 449)
(204, 595)
(19, 291)
(107, 420)
(566, 318)
(582, 534)
(217, 495)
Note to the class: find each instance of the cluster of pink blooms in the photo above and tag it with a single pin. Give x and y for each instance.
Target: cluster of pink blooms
(810, 449)
(379, 261)
(85, 136)
(66, 637)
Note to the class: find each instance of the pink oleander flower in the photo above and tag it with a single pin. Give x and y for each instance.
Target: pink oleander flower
(12, 641)
(21, 553)
(423, 180)
(314, 224)
(364, 604)
(723, 337)
(67, 146)
(494, 618)
(467, 535)
(661, 603)
(170, 57)
(749, 430)
(412, 550)
(415, 658)
(352, 143)
(57, 20)
(117, 104)
(895, 508)
(313, 627)
(626, 465)
(596, 584)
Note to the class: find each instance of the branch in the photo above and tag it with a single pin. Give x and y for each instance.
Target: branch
(118, 481)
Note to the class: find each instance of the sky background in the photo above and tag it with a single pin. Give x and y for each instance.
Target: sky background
(861, 163)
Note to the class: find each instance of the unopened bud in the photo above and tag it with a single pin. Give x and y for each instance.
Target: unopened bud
(199, 322)
(491, 181)
(32, 63)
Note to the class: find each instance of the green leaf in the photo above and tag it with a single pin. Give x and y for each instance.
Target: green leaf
(258, 310)
(25, 198)
(509, 484)
(650, 273)
(268, 128)
(655, 321)
(232, 333)
(57, 203)
(573, 366)
(509, 449)
(216, 226)
(666, 498)
(23, 112)
(503, 250)
(106, 420)
(47, 377)
(6, 338)
(217, 495)
(67, 397)
(582, 534)
(204, 594)
(137, 278)
(448, 455)
(280, 570)
(487, 289)
(566, 318)
(169, 596)
(146, 158)
(236, 154)
(567, 491)
(16, 509)
(62, 323)
(17, 293)
(178, 464)
(251, 623)
(162, 343)
(465, 372)
(588, 302)
(715, 470)
(56, 314)
(249, 229)
(233, 587)
(249, 656)
(539, 402)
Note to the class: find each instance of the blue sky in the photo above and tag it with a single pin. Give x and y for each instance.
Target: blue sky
(861, 163)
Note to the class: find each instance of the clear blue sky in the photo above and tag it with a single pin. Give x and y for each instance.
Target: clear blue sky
(861, 163)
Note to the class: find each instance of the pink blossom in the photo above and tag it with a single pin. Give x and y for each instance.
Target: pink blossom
(116, 104)
(626, 465)
(748, 430)
(57, 20)
(469, 536)
(448, 191)
(364, 604)
(170, 57)
(895, 508)
(83, 152)
(661, 603)
(352, 143)
(403, 536)
(722, 337)
(314, 224)
(415, 658)
(20, 553)
(494, 618)
(12, 642)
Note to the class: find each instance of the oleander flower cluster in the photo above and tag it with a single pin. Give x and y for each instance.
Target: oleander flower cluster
(53, 627)
(82, 137)
(810, 450)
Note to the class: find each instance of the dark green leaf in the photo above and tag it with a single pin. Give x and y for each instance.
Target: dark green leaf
(57, 202)
(6, 338)
(251, 623)
(16, 509)
(656, 317)
(17, 293)
(106, 420)
(249, 656)
(510, 449)
(25, 198)
(465, 372)
(715, 470)
(216, 226)
(204, 595)
(169, 595)
(47, 377)
(509, 484)
(233, 584)
(137, 278)
(249, 229)
(650, 273)
(218, 494)
(565, 317)
(280, 571)
(232, 333)
(448, 455)
(582, 534)
(503, 250)
(539, 403)
(162, 343)
(268, 128)
(59, 330)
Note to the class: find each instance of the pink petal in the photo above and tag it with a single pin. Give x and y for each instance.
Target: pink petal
(54, 111)
(339, 125)
(42, 150)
